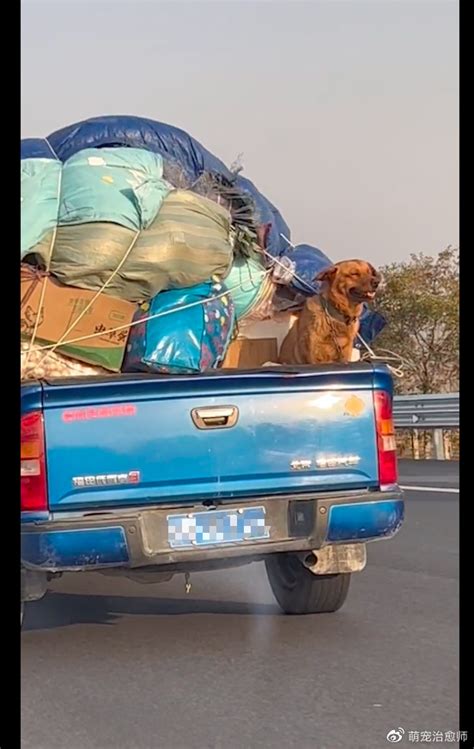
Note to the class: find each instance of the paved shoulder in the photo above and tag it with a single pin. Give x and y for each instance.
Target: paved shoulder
(430, 473)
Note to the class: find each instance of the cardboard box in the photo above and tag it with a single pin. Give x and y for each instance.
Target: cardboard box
(62, 306)
(251, 353)
(276, 328)
(258, 343)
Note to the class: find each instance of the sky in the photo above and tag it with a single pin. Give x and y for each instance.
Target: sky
(345, 111)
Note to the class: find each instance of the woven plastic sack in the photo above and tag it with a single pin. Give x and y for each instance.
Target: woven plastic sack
(120, 185)
(40, 183)
(191, 334)
(187, 244)
(183, 153)
(249, 286)
(37, 366)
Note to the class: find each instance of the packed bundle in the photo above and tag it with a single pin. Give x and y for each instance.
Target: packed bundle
(123, 186)
(251, 288)
(82, 325)
(130, 228)
(182, 331)
(186, 244)
(40, 186)
(186, 163)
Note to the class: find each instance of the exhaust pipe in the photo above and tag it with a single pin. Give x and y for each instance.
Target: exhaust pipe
(310, 560)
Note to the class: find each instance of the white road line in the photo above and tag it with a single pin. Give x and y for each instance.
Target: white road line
(439, 489)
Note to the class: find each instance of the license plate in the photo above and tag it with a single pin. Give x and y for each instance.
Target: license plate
(217, 527)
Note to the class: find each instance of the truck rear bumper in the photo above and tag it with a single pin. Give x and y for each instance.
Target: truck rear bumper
(139, 538)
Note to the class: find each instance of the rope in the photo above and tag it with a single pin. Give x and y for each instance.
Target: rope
(48, 265)
(52, 149)
(91, 302)
(396, 371)
(51, 347)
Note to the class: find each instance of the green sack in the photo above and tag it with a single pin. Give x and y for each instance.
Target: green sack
(40, 183)
(187, 244)
(248, 284)
(120, 185)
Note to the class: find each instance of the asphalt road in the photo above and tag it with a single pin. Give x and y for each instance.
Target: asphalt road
(110, 663)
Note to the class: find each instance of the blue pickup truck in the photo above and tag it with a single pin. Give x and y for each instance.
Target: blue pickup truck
(151, 476)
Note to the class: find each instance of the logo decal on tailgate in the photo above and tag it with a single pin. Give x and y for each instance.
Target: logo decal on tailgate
(102, 412)
(106, 479)
(329, 461)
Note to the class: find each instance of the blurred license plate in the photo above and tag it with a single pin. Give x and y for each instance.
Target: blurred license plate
(217, 527)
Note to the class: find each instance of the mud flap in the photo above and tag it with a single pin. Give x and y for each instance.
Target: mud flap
(33, 585)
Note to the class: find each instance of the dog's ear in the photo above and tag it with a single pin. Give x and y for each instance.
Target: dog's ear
(376, 274)
(327, 274)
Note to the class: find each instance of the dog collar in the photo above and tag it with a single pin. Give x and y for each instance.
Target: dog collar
(332, 311)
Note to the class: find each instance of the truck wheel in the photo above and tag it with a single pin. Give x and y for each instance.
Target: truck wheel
(299, 591)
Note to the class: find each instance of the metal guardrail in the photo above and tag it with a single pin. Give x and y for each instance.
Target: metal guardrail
(433, 412)
(426, 411)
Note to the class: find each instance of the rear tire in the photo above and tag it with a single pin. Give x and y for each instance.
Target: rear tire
(299, 591)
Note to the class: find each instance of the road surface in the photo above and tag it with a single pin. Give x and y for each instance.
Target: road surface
(110, 663)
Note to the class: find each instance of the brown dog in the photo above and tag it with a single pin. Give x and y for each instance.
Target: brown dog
(328, 323)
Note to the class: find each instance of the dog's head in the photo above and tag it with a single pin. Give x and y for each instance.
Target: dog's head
(356, 280)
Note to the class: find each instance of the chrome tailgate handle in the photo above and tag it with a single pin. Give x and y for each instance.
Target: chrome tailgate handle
(215, 417)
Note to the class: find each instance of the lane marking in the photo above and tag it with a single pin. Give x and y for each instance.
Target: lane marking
(439, 489)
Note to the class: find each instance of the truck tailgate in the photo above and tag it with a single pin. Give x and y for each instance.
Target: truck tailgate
(146, 440)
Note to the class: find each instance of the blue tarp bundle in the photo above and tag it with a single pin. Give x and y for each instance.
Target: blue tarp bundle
(177, 147)
(307, 262)
(370, 325)
(266, 214)
(36, 148)
(135, 132)
(170, 142)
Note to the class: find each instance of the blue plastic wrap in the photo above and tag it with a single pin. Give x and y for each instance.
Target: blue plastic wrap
(307, 261)
(266, 213)
(138, 132)
(193, 339)
(36, 148)
(371, 324)
(173, 144)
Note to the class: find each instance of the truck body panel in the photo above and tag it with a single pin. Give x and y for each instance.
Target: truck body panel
(285, 459)
(288, 429)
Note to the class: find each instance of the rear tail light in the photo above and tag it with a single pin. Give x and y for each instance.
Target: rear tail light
(33, 465)
(386, 443)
